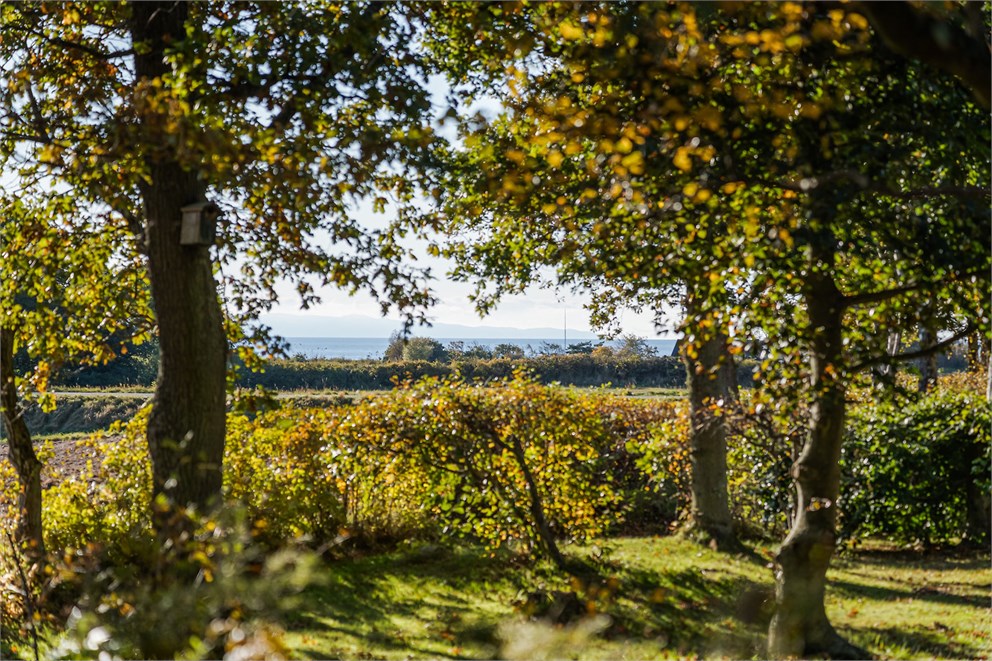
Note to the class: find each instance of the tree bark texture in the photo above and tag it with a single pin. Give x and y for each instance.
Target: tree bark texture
(712, 381)
(186, 424)
(928, 364)
(800, 627)
(21, 451)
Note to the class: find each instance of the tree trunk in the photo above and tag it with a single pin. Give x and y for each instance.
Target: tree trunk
(887, 372)
(22, 456)
(712, 381)
(800, 627)
(928, 364)
(978, 500)
(186, 425)
(974, 344)
(988, 386)
(536, 505)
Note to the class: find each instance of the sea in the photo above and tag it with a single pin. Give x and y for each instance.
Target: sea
(356, 348)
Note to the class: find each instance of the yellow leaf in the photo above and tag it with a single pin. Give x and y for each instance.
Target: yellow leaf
(709, 118)
(569, 31)
(810, 111)
(634, 161)
(858, 21)
(682, 160)
(785, 237)
(555, 158)
(794, 42)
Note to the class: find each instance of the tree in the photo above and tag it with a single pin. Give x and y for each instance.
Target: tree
(873, 218)
(732, 137)
(507, 350)
(423, 348)
(284, 116)
(68, 293)
(951, 38)
(571, 155)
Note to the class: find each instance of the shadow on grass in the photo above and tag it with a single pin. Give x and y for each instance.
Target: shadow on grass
(360, 602)
(923, 643)
(695, 611)
(925, 594)
(690, 611)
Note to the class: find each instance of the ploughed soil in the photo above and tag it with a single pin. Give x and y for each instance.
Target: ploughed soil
(69, 460)
(62, 458)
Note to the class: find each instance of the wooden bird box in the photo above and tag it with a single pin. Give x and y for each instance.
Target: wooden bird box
(199, 226)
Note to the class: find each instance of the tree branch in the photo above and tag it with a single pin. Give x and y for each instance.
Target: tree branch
(863, 182)
(876, 296)
(291, 106)
(74, 45)
(913, 34)
(913, 355)
(40, 124)
(930, 191)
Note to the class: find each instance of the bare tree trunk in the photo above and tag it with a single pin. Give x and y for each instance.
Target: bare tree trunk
(988, 387)
(22, 455)
(887, 371)
(800, 627)
(928, 364)
(974, 345)
(712, 380)
(186, 425)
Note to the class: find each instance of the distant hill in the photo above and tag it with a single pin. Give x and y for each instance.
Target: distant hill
(298, 325)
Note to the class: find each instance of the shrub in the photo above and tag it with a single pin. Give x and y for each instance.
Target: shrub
(204, 591)
(767, 436)
(319, 473)
(278, 467)
(110, 502)
(918, 472)
(652, 469)
(501, 453)
(577, 370)
(437, 457)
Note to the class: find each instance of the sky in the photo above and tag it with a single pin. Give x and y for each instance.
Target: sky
(537, 307)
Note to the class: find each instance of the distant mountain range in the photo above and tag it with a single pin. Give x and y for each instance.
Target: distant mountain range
(354, 325)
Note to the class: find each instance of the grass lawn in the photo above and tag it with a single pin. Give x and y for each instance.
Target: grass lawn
(651, 598)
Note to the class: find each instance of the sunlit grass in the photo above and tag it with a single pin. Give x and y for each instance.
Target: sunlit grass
(662, 598)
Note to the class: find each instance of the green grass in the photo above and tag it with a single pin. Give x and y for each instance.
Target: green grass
(662, 598)
(907, 604)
